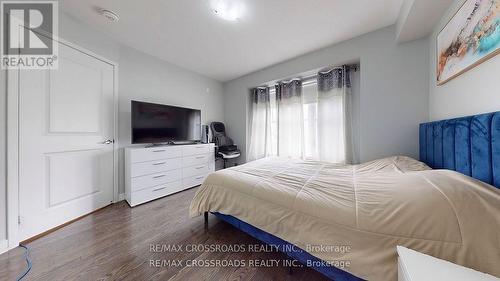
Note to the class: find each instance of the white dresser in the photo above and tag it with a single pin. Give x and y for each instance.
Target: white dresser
(154, 172)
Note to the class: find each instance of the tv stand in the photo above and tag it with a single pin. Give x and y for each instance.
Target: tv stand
(154, 172)
(171, 143)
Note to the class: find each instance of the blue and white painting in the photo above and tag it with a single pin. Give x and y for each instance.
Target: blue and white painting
(469, 38)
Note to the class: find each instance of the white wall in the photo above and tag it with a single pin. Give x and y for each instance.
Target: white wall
(141, 77)
(393, 91)
(475, 91)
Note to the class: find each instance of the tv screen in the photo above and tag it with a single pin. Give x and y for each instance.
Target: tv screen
(157, 123)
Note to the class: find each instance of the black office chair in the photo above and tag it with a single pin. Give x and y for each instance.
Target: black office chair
(226, 149)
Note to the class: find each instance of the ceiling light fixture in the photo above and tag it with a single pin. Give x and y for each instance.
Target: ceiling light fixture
(110, 15)
(230, 10)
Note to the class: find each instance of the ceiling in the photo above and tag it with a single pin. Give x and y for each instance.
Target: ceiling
(417, 18)
(189, 34)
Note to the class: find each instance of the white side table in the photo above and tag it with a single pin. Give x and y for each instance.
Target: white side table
(415, 266)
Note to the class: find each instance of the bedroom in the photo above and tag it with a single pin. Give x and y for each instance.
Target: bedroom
(323, 159)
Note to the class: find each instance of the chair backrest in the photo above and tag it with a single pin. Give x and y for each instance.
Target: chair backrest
(219, 134)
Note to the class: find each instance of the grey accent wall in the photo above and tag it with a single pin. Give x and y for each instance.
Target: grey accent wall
(475, 91)
(393, 96)
(140, 77)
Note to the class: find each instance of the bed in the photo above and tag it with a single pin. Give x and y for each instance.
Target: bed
(359, 213)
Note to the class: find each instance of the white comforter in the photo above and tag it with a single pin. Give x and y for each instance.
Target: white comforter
(371, 208)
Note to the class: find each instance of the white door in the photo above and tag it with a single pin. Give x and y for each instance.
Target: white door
(65, 164)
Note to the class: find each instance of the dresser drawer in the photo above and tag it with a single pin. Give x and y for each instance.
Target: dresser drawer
(152, 167)
(195, 149)
(151, 193)
(193, 181)
(195, 170)
(138, 183)
(154, 153)
(195, 160)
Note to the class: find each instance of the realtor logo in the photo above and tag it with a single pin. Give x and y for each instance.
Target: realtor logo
(27, 32)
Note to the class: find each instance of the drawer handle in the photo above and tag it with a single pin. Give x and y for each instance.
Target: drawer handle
(158, 189)
(199, 178)
(161, 163)
(161, 150)
(201, 167)
(200, 157)
(160, 176)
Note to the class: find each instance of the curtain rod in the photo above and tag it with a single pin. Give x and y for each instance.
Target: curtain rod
(314, 75)
(355, 66)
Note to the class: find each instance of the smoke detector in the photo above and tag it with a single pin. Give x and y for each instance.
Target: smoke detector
(110, 15)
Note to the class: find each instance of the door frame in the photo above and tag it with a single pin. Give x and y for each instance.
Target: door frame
(12, 198)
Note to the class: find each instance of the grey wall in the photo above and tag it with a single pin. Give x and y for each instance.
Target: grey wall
(141, 77)
(3, 157)
(393, 91)
(148, 79)
(475, 91)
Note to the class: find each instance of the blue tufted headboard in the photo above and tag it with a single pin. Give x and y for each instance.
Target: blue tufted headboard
(469, 145)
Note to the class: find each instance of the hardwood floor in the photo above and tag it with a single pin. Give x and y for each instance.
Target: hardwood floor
(114, 244)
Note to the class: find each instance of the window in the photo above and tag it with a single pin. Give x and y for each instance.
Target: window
(309, 119)
(310, 107)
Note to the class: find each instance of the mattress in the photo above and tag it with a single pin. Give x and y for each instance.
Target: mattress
(356, 215)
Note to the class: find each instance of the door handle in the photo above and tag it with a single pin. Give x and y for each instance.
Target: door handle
(107, 142)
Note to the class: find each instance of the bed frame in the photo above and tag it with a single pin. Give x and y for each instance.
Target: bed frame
(287, 248)
(469, 145)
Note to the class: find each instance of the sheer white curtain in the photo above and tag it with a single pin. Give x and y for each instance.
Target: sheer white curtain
(309, 120)
(260, 125)
(290, 119)
(334, 115)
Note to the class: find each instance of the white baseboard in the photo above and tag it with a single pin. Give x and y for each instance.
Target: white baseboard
(4, 246)
(121, 197)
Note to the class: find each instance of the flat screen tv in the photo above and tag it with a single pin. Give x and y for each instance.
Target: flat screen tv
(159, 123)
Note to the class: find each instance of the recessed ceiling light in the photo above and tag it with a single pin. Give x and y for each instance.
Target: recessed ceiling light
(230, 10)
(110, 15)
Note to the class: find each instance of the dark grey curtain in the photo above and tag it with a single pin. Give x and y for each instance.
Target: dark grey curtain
(335, 78)
(260, 95)
(286, 90)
